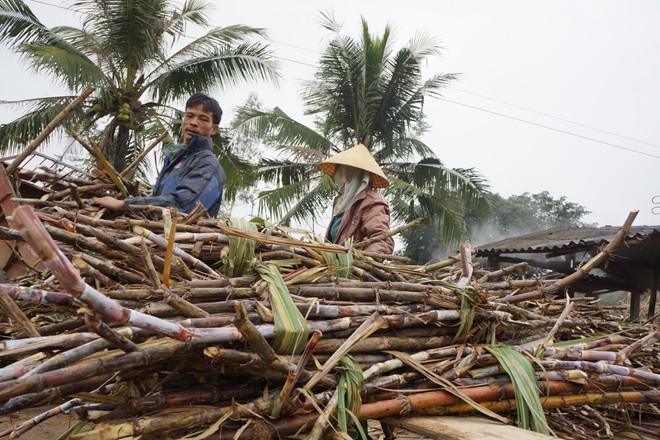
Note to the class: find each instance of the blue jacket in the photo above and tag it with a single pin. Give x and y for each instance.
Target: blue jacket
(194, 174)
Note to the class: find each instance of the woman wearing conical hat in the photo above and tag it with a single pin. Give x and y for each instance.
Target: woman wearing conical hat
(359, 211)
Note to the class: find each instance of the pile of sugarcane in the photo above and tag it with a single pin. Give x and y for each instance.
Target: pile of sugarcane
(163, 325)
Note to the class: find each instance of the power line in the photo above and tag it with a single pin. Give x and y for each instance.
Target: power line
(552, 116)
(54, 6)
(550, 128)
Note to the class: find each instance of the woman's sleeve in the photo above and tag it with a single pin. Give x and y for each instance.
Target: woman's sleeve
(376, 219)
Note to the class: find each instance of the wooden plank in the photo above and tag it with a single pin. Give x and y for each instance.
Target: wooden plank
(462, 428)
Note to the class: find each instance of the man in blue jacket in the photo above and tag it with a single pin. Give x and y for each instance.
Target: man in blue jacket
(190, 172)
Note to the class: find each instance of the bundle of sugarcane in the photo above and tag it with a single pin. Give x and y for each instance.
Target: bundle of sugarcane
(222, 328)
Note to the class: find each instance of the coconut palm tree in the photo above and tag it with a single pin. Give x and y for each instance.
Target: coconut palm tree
(135, 55)
(365, 92)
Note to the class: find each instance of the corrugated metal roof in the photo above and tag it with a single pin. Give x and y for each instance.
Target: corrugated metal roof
(560, 239)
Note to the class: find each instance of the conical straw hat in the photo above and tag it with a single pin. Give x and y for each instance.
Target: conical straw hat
(358, 157)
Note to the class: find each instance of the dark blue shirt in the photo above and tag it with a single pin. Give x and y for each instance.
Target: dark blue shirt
(194, 174)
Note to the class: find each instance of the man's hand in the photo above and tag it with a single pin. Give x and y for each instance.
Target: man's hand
(110, 203)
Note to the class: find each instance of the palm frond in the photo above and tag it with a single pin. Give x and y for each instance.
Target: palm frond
(298, 200)
(225, 67)
(192, 11)
(67, 65)
(403, 149)
(278, 128)
(19, 25)
(17, 134)
(239, 173)
(131, 31)
(286, 172)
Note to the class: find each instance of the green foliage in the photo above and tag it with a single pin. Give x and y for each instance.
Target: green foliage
(291, 331)
(536, 212)
(515, 215)
(365, 91)
(241, 250)
(349, 401)
(528, 404)
(131, 51)
(341, 263)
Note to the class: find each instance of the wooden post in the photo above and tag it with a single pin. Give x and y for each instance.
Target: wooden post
(49, 128)
(635, 302)
(653, 296)
(494, 262)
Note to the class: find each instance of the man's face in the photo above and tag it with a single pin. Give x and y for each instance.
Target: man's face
(197, 122)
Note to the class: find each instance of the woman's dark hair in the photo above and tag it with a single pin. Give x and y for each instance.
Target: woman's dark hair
(208, 104)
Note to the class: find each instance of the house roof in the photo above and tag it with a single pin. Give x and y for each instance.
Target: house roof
(567, 240)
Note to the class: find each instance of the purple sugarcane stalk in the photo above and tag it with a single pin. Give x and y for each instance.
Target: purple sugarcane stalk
(35, 234)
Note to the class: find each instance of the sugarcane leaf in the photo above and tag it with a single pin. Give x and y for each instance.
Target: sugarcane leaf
(75, 429)
(528, 404)
(348, 392)
(340, 262)
(585, 340)
(445, 384)
(241, 249)
(291, 331)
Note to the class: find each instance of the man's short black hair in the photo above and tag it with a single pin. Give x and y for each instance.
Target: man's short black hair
(208, 104)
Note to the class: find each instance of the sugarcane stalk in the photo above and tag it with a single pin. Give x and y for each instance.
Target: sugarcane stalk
(560, 320)
(271, 239)
(121, 245)
(169, 247)
(601, 367)
(124, 223)
(109, 269)
(68, 357)
(466, 265)
(79, 190)
(194, 396)
(60, 409)
(17, 347)
(257, 342)
(76, 196)
(83, 242)
(375, 344)
(67, 375)
(16, 314)
(518, 267)
(294, 376)
(39, 240)
(189, 259)
(62, 326)
(373, 323)
(384, 235)
(51, 395)
(564, 401)
(324, 419)
(428, 268)
(99, 327)
(85, 269)
(629, 350)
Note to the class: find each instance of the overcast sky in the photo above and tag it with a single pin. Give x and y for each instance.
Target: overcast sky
(588, 70)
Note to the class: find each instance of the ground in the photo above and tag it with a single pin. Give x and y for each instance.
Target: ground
(52, 428)
(47, 430)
